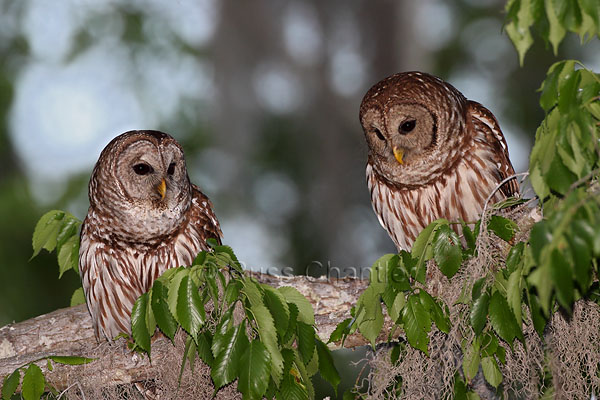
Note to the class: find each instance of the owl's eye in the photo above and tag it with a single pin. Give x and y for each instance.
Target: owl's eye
(379, 134)
(171, 169)
(142, 169)
(407, 126)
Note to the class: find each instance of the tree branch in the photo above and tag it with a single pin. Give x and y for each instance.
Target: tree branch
(69, 332)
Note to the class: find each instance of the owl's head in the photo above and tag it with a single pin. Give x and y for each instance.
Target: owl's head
(141, 180)
(413, 124)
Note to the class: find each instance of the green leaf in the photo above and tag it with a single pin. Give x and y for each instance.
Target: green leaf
(46, 231)
(549, 96)
(212, 288)
(68, 255)
(232, 291)
(327, 367)
(447, 251)
(477, 286)
(69, 227)
(581, 254)
(11, 382)
(254, 371)
(514, 290)
(515, 257)
(422, 247)
(568, 86)
(562, 278)
(232, 260)
(291, 389)
(78, 297)
(503, 320)
(189, 355)
(435, 311)
(398, 273)
(411, 266)
(479, 312)
(539, 322)
(278, 307)
(460, 388)
(204, 348)
(288, 359)
(541, 279)
(488, 344)
(540, 236)
(340, 329)
(290, 334)
(557, 32)
(491, 372)
(71, 360)
(166, 276)
(349, 394)
(473, 396)
(222, 327)
(306, 341)
(190, 309)
(292, 295)
(469, 236)
(160, 306)
(590, 7)
(139, 329)
(562, 178)
(417, 323)
(233, 346)
(173, 284)
(303, 377)
(33, 383)
(521, 19)
(395, 353)
(537, 181)
(395, 309)
(266, 326)
(370, 320)
(380, 271)
(471, 361)
(501, 354)
(313, 365)
(504, 228)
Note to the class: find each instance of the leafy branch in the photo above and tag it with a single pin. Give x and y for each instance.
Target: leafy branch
(34, 383)
(243, 330)
(545, 273)
(551, 20)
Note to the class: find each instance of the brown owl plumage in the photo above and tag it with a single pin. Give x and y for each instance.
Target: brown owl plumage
(144, 217)
(432, 154)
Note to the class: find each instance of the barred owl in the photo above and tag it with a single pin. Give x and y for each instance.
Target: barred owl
(432, 154)
(144, 217)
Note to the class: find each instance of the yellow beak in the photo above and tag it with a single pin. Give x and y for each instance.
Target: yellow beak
(399, 153)
(162, 189)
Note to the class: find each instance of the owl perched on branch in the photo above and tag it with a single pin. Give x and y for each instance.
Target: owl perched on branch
(144, 217)
(432, 154)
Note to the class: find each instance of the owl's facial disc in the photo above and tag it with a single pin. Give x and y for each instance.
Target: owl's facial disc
(145, 169)
(412, 131)
(152, 175)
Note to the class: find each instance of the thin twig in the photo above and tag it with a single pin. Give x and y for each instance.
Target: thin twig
(524, 174)
(483, 225)
(582, 180)
(68, 388)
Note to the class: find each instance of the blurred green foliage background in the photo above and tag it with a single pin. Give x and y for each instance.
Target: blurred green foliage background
(262, 95)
